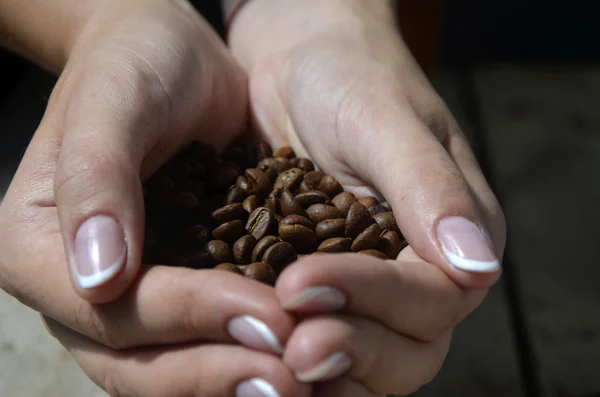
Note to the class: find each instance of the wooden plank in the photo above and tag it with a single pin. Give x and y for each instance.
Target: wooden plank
(543, 127)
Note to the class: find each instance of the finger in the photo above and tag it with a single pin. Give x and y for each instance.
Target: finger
(343, 387)
(324, 348)
(413, 298)
(431, 200)
(166, 371)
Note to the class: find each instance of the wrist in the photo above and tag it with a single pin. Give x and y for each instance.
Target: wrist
(359, 24)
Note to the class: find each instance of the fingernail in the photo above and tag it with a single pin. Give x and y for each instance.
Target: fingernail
(100, 251)
(317, 299)
(465, 246)
(334, 366)
(256, 387)
(253, 333)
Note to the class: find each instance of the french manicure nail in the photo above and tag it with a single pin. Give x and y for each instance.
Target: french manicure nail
(317, 299)
(254, 333)
(335, 365)
(256, 387)
(100, 251)
(465, 246)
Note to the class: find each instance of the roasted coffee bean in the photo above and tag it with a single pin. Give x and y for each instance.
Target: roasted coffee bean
(313, 178)
(237, 156)
(279, 255)
(374, 253)
(228, 267)
(245, 185)
(194, 186)
(300, 236)
(262, 272)
(289, 180)
(305, 188)
(271, 167)
(305, 165)
(193, 238)
(177, 169)
(278, 218)
(242, 249)
(198, 169)
(218, 251)
(296, 219)
(387, 205)
(368, 201)
(376, 209)
(234, 195)
(160, 182)
(251, 203)
(227, 213)
(229, 231)
(330, 186)
(357, 220)
(223, 175)
(262, 246)
(195, 260)
(263, 151)
(313, 197)
(390, 243)
(336, 244)
(367, 239)
(261, 223)
(319, 212)
(178, 201)
(273, 203)
(330, 228)
(285, 151)
(343, 201)
(294, 162)
(289, 204)
(202, 151)
(386, 220)
(261, 184)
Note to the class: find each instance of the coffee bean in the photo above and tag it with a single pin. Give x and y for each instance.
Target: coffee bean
(229, 231)
(263, 151)
(305, 188)
(300, 236)
(376, 209)
(289, 204)
(262, 246)
(271, 167)
(319, 212)
(223, 175)
(234, 195)
(279, 255)
(261, 184)
(195, 260)
(202, 151)
(330, 186)
(294, 162)
(297, 220)
(313, 178)
(237, 156)
(218, 251)
(313, 197)
(198, 169)
(196, 187)
(177, 169)
(386, 220)
(242, 249)
(330, 228)
(178, 201)
(261, 223)
(367, 239)
(160, 183)
(251, 203)
(387, 205)
(262, 272)
(343, 201)
(336, 244)
(368, 201)
(273, 203)
(391, 243)
(289, 180)
(193, 238)
(228, 267)
(245, 185)
(374, 253)
(227, 213)
(357, 220)
(305, 165)
(285, 151)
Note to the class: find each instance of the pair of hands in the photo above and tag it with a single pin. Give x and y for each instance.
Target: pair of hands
(145, 77)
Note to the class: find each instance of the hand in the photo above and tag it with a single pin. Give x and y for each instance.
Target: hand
(143, 78)
(345, 91)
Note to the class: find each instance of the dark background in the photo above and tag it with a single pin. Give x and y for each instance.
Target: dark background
(523, 79)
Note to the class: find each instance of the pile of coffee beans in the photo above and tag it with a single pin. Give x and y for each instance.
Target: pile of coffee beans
(253, 211)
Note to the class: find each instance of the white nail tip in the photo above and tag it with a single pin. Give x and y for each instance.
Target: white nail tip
(264, 387)
(471, 265)
(334, 297)
(95, 280)
(265, 332)
(335, 365)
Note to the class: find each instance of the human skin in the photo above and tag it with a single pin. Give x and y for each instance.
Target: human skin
(139, 79)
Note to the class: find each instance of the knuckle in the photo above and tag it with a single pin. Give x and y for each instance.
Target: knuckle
(92, 324)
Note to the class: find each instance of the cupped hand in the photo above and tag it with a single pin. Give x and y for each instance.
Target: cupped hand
(355, 101)
(144, 78)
